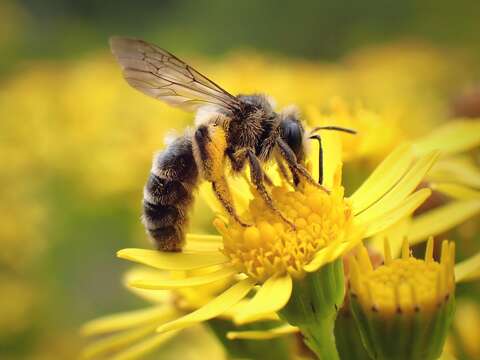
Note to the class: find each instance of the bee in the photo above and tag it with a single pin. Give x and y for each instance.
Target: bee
(230, 132)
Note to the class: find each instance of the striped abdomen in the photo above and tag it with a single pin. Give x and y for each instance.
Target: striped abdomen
(168, 194)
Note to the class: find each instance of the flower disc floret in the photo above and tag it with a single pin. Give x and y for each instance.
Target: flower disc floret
(404, 285)
(271, 247)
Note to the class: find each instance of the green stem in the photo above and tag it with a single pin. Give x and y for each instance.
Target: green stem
(320, 338)
(313, 307)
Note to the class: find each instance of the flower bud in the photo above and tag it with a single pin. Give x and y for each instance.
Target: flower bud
(404, 308)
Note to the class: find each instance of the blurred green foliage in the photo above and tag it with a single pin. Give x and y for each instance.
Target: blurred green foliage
(310, 28)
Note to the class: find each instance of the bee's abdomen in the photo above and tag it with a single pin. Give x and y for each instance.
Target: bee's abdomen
(168, 195)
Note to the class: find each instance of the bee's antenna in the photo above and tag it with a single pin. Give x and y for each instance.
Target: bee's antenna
(335, 128)
(320, 157)
(320, 148)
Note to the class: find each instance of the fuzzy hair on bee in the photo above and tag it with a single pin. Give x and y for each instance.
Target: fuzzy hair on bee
(230, 132)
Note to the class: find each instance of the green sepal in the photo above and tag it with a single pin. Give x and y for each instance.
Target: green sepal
(279, 348)
(414, 336)
(348, 340)
(313, 307)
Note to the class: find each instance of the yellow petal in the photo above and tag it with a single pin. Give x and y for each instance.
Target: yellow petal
(406, 208)
(126, 320)
(263, 334)
(173, 260)
(202, 242)
(139, 350)
(271, 297)
(240, 187)
(456, 191)
(441, 219)
(116, 342)
(383, 178)
(460, 170)
(400, 191)
(468, 270)
(240, 191)
(153, 296)
(206, 194)
(334, 250)
(156, 296)
(453, 137)
(212, 309)
(313, 157)
(237, 308)
(395, 234)
(206, 238)
(332, 157)
(165, 282)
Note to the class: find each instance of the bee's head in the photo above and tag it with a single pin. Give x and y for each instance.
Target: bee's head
(292, 131)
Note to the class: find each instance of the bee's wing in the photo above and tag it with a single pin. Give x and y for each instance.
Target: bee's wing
(162, 75)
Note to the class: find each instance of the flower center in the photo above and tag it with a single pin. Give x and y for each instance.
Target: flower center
(405, 285)
(272, 247)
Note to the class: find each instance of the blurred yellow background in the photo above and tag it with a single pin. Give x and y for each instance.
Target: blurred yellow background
(76, 142)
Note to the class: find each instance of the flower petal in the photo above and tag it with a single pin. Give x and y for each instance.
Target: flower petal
(154, 296)
(206, 194)
(383, 178)
(116, 342)
(453, 137)
(400, 191)
(263, 334)
(240, 191)
(468, 270)
(440, 219)
(395, 234)
(456, 191)
(335, 250)
(173, 260)
(200, 243)
(142, 348)
(126, 320)
(237, 308)
(458, 170)
(166, 282)
(212, 309)
(271, 297)
(332, 155)
(207, 238)
(407, 207)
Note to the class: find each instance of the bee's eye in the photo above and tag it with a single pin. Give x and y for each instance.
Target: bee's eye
(292, 133)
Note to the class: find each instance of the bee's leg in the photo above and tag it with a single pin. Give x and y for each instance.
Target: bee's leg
(209, 146)
(295, 177)
(320, 157)
(257, 177)
(267, 180)
(221, 190)
(297, 168)
(284, 172)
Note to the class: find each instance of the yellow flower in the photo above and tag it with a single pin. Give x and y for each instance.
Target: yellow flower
(367, 144)
(132, 334)
(405, 285)
(267, 256)
(407, 299)
(455, 172)
(403, 297)
(454, 178)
